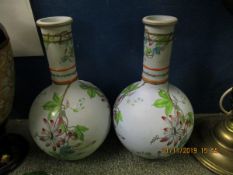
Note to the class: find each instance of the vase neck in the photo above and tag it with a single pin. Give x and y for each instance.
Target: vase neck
(59, 49)
(157, 51)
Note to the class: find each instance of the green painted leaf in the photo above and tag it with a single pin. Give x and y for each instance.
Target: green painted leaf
(164, 94)
(182, 119)
(50, 106)
(130, 88)
(160, 103)
(82, 128)
(49, 115)
(56, 98)
(148, 51)
(65, 150)
(53, 113)
(91, 92)
(168, 108)
(190, 118)
(80, 136)
(75, 110)
(79, 130)
(99, 93)
(164, 102)
(83, 86)
(63, 127)
(118, 117)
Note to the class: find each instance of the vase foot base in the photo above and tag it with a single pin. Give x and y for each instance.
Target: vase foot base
(13, 149)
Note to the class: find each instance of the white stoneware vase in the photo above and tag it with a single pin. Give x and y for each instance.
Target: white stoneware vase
(153, 118)
(71, 118)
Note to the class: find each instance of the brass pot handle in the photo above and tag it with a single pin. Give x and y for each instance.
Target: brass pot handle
(221, 101)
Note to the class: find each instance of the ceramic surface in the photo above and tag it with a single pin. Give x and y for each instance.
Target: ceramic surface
(6, 80)
(153, 118)
(71, 118)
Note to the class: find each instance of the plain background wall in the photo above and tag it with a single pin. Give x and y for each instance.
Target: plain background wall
(108, 37)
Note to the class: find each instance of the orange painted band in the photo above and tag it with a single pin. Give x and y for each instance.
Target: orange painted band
(154, 81)
(66, 81)
(62, 69)
(155, 69)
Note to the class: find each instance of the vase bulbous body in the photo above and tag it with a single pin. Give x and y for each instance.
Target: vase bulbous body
(153, 118)
(71, 118)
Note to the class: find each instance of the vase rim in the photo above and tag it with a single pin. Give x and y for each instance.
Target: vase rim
(159, 20)
(54, 21)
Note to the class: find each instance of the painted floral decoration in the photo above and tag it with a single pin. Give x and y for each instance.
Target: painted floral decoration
(125, 93)
(155, 43)
(57, 134)
(175, 134)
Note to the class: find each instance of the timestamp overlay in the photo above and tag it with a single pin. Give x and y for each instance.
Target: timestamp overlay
(189, 150)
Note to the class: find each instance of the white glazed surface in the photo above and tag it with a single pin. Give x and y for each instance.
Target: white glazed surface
(71, 118)
(93, 113)
(140, 126)
(151, 117)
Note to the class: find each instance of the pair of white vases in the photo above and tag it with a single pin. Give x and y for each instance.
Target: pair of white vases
(71, 118)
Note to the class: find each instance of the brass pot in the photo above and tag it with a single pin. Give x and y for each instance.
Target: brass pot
(7, 77)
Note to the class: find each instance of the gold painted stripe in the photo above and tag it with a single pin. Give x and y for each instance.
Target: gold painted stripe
(58, 35)
(66, 81)
(62, 69)
(160, 34)
(57, 41)
(53, 38)
(154, 81)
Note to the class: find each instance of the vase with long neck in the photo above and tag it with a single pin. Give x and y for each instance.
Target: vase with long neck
(71, 118)
(153, 118)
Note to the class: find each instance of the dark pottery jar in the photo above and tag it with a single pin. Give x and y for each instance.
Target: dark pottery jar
(7, 79)
(13, 147)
